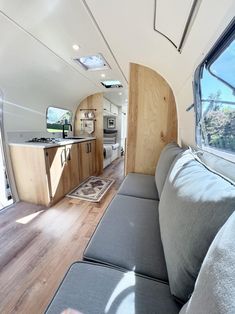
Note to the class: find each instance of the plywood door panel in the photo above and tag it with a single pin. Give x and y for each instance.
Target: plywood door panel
(114, 109)
(107, 105)
(133, 107)
(92, 157)
(152, 119)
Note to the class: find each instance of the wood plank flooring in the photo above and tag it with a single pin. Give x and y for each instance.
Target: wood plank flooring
(38, 245)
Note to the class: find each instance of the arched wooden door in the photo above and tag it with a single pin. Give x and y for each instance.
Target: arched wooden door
(152, 119)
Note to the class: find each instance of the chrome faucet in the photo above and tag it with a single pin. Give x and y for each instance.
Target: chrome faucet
(70, 127)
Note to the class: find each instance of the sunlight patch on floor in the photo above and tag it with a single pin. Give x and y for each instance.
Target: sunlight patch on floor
(29, 218)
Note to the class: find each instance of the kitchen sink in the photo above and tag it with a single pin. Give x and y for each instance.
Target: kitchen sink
(74, 138)
(70, 138)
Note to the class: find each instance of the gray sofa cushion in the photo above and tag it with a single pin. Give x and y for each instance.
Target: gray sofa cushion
(168, 154)
(217, 164)
(128, 236)
(215, 286)
(139, 185)
(194, 204)
(95, 289)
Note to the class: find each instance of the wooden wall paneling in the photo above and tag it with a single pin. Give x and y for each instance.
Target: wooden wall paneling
(93, 102)
(132, 120)
(152, 119)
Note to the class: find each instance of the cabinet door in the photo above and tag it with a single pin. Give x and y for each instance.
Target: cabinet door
(57, 171)
(106, 105)
(71, 166)
(30, 174)
(84, 164)
(114, 109)
(92, 160)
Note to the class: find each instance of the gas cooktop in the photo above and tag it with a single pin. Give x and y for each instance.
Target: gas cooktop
(47, 140)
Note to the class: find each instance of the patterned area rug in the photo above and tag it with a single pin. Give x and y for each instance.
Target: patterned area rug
(92, 189)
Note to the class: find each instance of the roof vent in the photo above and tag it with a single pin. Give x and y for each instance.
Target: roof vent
(112, 84)
(93, 62)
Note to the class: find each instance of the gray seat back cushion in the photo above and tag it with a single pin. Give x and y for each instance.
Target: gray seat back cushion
(220, 165)
(168, 154)
(215, 286)
(194, 204)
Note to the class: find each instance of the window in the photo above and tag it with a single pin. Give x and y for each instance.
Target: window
(215, 96)
(56, 117)
(6, 197)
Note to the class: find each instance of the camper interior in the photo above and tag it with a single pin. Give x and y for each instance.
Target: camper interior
(117, 157)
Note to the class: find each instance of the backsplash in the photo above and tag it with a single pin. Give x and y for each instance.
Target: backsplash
(26, 135)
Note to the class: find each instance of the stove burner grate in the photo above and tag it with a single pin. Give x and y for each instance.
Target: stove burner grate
(47, 140)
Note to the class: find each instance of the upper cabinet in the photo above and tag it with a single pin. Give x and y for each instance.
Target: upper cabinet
(109, 108)
(107, 105)
(114, 109)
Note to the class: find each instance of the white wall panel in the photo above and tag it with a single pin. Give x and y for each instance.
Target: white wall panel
(33, 78)
(128, 27)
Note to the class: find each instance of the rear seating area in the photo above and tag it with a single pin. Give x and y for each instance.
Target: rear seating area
(148, 249)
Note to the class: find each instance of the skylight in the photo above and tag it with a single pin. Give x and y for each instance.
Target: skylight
(93, 63)
(112, 84)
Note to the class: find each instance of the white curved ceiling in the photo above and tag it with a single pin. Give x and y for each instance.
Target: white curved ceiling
(36, 52)
(128, 27)
(163, 15)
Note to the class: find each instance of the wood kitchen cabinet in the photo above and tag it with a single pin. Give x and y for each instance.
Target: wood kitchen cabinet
(87, 159)
(45, 175)
(30, 172)
(62, 170)
(55, 169)
(93, 158)
(73, 177)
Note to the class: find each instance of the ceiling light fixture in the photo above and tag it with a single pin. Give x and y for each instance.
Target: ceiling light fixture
(76, 47)
(103, 75)
(93, 62)
(112, 84)
(120, 94)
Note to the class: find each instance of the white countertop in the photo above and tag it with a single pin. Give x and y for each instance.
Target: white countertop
(61, 142)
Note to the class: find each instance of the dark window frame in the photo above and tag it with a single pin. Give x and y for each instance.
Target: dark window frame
(5, 158)
(220, 45)
(66, 109)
